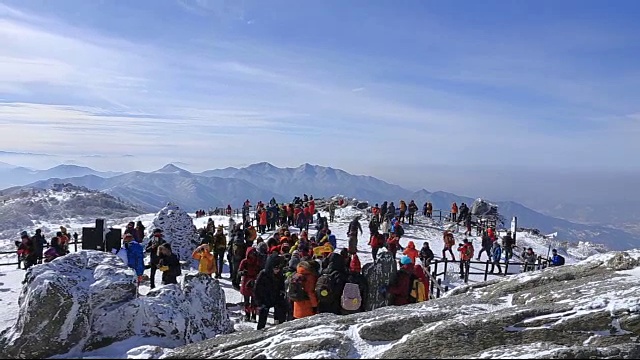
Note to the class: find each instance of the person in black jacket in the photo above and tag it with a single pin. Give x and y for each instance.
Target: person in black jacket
(152, 248)
(269, 291)
(169, 265)
(426, 255)
(39, 242)
(238, 250)
(354, 227)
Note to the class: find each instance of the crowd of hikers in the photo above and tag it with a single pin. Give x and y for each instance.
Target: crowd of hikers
(302, 273)
(31, 249)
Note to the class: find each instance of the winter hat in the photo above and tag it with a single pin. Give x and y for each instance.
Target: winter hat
(355, 264)
(405, 260)
(24, 234)
(157, 231)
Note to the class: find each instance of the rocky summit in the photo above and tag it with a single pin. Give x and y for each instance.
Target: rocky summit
(178, 231)
(587, 310)
(88, 300)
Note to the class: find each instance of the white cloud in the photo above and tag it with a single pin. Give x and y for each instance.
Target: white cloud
(183, 100)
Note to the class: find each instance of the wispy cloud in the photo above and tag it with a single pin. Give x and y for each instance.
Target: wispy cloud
(197, 98)
(19, 153)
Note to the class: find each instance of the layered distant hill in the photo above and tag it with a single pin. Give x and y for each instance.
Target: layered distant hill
(262, 181)
(11, 175)
(21, 209)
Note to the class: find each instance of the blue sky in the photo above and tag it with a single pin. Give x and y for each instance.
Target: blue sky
(359, 85)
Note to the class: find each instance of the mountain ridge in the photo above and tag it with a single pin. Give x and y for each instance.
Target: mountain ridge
(262, 181)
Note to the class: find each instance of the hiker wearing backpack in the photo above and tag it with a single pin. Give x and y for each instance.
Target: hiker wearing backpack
(302, 290)
(556, 260)
(269, 291)
(401, 288)
(426, 255)
(354, 227)
(411, 252)
(355, 289)
(331, 284)
(449, 242)
(248, 270)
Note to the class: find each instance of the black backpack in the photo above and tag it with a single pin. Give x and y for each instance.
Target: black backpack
(561, 260)
(412, 279)
(328, 287)
(399, 231)
(295, 290)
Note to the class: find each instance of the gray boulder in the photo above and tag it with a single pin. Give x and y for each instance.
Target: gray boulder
(178, 230)
(587, 310)
(87, 300)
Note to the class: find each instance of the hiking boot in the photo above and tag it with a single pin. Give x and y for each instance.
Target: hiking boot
(253, 317)
(247, 317)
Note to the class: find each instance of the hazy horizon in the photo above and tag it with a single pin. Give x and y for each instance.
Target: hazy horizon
(539, 189)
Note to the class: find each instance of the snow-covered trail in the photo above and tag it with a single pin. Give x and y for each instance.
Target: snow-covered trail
(423, 230)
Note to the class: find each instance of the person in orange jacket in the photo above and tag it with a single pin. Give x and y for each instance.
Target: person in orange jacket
(308, 307)
(454, 212)
(411, 252)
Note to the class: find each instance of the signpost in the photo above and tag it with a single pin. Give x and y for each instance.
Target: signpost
(514, 226)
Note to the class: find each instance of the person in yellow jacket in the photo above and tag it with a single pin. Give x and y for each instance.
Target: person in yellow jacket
(207, 263)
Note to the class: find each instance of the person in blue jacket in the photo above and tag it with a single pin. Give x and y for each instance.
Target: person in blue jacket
(135, 254)
(556, 260)
(496, 254)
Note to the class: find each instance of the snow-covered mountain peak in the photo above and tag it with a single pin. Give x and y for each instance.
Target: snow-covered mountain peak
(171, 169)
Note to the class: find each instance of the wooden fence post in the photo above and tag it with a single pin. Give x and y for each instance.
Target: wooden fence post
(446, 267)
(438, 289)
(467, 267)
(486, 270)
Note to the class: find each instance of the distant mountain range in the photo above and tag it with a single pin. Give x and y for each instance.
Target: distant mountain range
(262, 181)
(11, 175)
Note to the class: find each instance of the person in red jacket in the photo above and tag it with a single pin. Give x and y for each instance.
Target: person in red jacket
(249, 269)
(262, 224)
(411, 252)
(402, 286)
(312, 205)
(376, 242)
(454, 212)
(466, 255)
